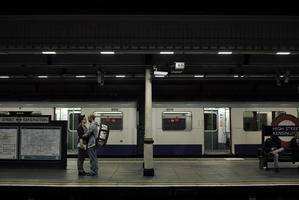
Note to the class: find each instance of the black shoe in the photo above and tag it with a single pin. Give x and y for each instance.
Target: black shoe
(82, 173)
(91, 174)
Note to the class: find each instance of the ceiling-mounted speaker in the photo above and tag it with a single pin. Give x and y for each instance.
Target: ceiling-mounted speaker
(100, 77)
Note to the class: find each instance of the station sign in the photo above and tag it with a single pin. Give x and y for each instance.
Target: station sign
(283, 125)
(280, 130)
(23, 119)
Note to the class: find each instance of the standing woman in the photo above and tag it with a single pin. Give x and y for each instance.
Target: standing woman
(82, 129)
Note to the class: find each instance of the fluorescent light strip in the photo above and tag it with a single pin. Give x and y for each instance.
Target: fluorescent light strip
(120, 76)
(107, 52)
(236, 76)
(166, 52)
(48, 52)
(80, 76)
(199, 76)
(42, 76)
(4, 76)
(283, 53)
(225, 52)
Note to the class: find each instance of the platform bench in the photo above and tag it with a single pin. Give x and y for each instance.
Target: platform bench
(285, 156)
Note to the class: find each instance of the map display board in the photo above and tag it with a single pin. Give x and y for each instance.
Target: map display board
(40, 143)
(8, 142)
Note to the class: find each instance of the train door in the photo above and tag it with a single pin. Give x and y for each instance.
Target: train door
(71, 115)
(217, 130)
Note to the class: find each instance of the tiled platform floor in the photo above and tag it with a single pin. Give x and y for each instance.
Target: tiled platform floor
(195, 172)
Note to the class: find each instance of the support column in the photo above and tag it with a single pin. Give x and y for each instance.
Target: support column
(148, 138)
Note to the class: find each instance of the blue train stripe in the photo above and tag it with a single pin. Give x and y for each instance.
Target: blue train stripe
(177, 150)
(247, 149)
(118, 150)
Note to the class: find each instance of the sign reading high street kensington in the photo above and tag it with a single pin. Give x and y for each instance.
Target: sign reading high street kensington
(280, 130)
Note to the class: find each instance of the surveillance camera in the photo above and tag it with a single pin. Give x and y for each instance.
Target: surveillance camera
(160, 73)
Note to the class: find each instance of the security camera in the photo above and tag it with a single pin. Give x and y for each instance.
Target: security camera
(160, 73)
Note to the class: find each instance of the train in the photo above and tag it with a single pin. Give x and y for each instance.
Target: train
(184, 129)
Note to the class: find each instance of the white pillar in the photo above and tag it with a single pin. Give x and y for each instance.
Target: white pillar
(148, 138)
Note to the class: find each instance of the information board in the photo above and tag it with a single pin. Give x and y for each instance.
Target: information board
(40, 143)
(8, 142)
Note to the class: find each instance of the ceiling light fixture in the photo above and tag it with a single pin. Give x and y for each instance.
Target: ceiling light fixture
(49, 52)
(199, 76)
(107, 52)
(4, 76)
(166, 52)
(120, 76)
(80, 76)
(283, 53)
(225, 52)
(42, 76)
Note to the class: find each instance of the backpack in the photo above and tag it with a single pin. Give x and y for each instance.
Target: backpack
(102, 134)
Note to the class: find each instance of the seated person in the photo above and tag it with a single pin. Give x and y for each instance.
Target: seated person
(273, 145)
(295, 147)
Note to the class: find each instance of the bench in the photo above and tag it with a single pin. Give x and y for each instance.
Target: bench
(285, 156)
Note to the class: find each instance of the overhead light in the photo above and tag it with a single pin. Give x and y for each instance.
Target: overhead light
(199, 76)
(283, 53)
(42, 76)
(236, 76)
(120, 76)
(166, 52)
(49, 52)
(107, 52)
(281, 76)
(225, 52)
(81, 76)
(242, 76)
(4, 76)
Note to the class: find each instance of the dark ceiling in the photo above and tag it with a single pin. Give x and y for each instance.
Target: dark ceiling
(168, 7)
(252, 72)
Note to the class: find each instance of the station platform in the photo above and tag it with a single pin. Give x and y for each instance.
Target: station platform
(187, 175)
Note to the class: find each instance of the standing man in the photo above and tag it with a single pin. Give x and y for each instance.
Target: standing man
(91, 146)
(81, 144)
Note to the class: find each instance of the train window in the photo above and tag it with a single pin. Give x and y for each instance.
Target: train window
(210, 121)
(113, 119)
(277, 113)
(73, 120)
(254, 121)
(69, 114)
(177, 121)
